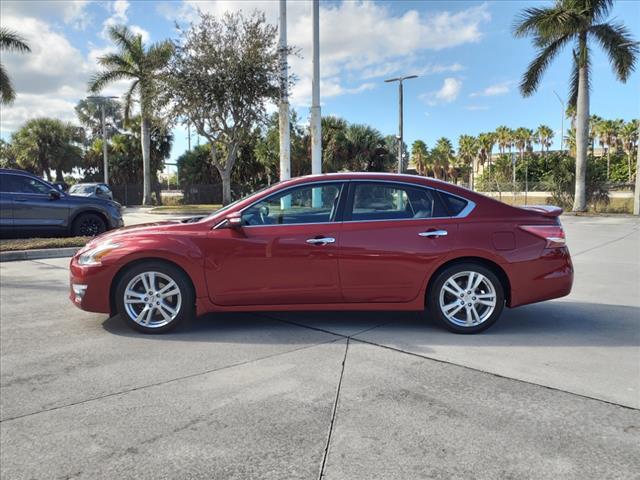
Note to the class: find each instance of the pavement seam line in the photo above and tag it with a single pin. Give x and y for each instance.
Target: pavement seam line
(635, 230)
(164, 382)
(493, 374)
(302, 325)
(333, 413)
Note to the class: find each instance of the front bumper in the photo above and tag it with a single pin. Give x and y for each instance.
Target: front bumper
(90, 286)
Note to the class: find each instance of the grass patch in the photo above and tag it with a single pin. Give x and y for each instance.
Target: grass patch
(186, 209)
(14, 244)
(615, 205)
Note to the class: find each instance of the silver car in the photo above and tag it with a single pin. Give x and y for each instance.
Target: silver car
(100, 190)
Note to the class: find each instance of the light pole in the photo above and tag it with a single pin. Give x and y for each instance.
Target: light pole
(102, 100)
(561, 121)
(400, 114)
(283, 108)
(316, 114)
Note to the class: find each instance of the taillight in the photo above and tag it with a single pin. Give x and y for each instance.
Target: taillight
(553, 234)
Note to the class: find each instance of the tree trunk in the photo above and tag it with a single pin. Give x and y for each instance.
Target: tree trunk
(225, 175)
(146, 161)
(582, 131)
(59, 176)
(608, 161)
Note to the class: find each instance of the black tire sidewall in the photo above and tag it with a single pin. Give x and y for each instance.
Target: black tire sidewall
(176, 274)
(433, 297)
(85, 216)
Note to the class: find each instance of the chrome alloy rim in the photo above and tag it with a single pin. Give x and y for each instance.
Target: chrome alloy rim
(467, 299)
(152, 299)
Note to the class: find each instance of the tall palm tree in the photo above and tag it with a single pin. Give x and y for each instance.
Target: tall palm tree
(594, 124)
(503, 138)
(629, 139)
(486, 142)
(419, 155)
(607, 132)
(12, 42)
(544, 137)
(576, 21)
(467, 151)
(442, 156)
(143, 66)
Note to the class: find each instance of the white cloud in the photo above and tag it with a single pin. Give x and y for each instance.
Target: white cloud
(446, 94)
(359, 40)
(494, 90)
(72, 12)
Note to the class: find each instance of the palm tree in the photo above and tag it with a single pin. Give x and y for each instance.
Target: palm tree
(629, 138)
(607, 132)
(486, 141)
(143, 67)
(442, 156)
(594, 124)
(576, 21)
(503, 138)
(467, 151)
(419, 156)
(544, 137)
(12, 42)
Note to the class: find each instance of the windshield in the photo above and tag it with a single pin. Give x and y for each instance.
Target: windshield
(234, 203)
(82, 189)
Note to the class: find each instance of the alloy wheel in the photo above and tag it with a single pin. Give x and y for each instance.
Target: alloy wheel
(467, 298)
(152, 299)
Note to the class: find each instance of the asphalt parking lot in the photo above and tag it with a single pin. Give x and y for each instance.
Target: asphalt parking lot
(551, 391)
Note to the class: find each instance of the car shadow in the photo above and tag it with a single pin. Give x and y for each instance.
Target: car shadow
(554, 323)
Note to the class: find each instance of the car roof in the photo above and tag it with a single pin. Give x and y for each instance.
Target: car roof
(387, 177)
(18, 171)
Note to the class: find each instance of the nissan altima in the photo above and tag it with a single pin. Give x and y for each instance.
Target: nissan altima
(347, 241)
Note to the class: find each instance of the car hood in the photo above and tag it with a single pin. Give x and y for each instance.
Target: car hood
(87, 200)
(143, 229)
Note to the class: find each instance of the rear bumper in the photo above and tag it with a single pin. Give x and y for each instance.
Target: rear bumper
(549, 276)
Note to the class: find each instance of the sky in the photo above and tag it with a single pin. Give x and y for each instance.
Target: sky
(468, 62)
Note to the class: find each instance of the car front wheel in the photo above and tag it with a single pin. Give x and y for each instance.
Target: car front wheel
(466, 298)
(154, 297)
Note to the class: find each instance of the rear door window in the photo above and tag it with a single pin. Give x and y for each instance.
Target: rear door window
(454, 204)
(389, 201)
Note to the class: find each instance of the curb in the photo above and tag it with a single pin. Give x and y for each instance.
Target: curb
(37, 254)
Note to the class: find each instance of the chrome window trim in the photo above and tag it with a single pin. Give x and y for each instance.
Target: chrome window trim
(471, 205)
(464, 213)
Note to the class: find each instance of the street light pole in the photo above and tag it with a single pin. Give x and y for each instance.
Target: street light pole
(283, 110)
(561, 121)
(400, 116)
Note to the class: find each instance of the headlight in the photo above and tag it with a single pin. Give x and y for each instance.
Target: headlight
(95, 255)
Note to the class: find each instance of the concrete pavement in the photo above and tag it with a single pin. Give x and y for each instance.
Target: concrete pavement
(551, 391)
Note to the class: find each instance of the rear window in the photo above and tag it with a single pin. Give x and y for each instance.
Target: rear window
(454, 205)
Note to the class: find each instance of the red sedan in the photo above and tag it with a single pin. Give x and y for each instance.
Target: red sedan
(332, 242)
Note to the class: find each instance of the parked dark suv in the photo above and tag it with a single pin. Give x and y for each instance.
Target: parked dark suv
(31, 206)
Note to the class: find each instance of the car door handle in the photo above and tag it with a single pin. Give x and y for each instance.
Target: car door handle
(433, 233)
(20, 199)
(321, 240)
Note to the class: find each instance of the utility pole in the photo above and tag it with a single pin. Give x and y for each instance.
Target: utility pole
(636, 193)
(316, 115)
(102, 100)
(400, 116)
(285, 141)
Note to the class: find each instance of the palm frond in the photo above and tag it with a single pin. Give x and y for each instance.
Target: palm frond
(160, 53)
(102, 79)
(535, 70)
(128, 41)
(128, 100)
(116, 61)
(598, 9)
(616, 40)
(548, 24)
(7, 93)
(12, 41)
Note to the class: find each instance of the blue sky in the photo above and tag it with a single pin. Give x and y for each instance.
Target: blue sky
(468, 61)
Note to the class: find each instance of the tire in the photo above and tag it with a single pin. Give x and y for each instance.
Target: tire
(456, 312)
(163, 313)
(88, 225)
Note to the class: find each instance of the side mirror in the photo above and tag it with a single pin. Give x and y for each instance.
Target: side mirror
(54, 194)
(234, 220)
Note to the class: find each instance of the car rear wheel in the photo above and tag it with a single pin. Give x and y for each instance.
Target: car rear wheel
(88, 225)
(154, 297)
(466, 298)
